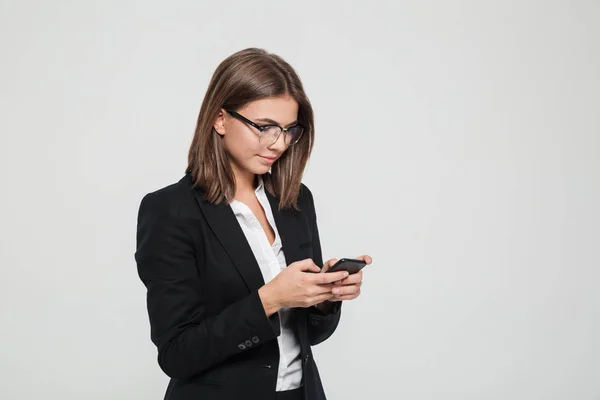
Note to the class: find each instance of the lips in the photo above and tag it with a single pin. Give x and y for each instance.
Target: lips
(268, 158)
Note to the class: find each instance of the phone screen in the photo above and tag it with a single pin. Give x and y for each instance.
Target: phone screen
(347, 264)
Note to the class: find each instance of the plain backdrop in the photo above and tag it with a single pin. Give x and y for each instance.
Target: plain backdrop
(457, 143)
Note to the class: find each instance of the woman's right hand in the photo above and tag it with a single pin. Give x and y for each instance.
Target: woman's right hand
(299, 285)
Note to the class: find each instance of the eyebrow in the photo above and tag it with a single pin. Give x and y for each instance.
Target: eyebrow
(270, 121)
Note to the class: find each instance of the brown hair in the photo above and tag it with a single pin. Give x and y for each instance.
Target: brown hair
(243, 77)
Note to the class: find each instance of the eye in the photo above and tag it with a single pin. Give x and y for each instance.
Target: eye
(270, 129)
(295, 131)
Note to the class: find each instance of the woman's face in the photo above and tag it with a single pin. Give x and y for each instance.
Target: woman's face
(250, 155)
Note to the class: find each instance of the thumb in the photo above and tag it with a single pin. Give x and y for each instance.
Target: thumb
(308, 265)
(328, 264)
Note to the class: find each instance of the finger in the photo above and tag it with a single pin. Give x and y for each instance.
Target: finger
(353, 279)
(345, 298)
(323, 288)
(346, 282)
(307, 265)
(321, 298)
(345, 290)
(328, 264)
(365, 258)
(330, 277)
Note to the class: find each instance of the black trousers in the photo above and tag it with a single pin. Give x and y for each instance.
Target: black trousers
(295, 394)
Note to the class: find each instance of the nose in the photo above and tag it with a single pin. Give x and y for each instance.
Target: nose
(279, 144)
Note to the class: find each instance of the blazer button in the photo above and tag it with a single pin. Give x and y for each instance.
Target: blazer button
(248, 343)
(242, 346)
(255, 339)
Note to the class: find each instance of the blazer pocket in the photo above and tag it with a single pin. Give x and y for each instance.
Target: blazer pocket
(305, 250)
(213, 384)
(306, 244)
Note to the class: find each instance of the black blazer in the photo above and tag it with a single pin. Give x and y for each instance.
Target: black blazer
(213, 336)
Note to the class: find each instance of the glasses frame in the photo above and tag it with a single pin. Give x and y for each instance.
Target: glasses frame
(261, 128)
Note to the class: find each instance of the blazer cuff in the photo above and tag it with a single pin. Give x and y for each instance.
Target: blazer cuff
(271, 327)
(258, 328)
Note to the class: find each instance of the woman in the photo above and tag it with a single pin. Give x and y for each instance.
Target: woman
(230, 255)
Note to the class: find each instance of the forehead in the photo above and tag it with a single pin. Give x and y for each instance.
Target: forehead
(284, 110)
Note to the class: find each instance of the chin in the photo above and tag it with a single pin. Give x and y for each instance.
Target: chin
(261, 170)
(258, 168)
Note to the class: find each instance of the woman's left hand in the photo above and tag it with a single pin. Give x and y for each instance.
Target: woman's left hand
(349, 288)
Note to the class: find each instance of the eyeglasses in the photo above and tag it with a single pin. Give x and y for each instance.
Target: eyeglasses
(269, 134)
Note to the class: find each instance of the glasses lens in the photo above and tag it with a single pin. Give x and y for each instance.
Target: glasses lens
(270, 135)
(293, 134)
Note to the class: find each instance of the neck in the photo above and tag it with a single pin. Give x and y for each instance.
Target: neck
(245, 182)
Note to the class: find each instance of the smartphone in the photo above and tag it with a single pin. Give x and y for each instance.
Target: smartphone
(347, 264)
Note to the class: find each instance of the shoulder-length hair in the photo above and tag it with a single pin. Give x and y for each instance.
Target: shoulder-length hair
(243, 77)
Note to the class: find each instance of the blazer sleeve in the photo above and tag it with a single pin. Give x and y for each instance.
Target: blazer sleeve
(189, 341)
(321, 323)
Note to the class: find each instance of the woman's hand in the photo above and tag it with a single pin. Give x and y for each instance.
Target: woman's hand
(348, 288)
(299, 285)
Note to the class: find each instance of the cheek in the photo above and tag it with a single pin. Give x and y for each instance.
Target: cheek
(240, 145)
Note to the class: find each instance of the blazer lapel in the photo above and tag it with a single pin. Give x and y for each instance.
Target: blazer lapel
(224, 224)
(286, 221)
(226, 228)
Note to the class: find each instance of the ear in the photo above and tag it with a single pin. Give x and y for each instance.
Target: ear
(219, 123)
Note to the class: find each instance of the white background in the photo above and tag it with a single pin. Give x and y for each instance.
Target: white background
(457, 143)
